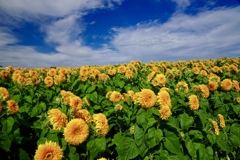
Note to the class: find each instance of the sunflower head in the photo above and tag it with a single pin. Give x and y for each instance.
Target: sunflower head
(49, 151)
(146, 98)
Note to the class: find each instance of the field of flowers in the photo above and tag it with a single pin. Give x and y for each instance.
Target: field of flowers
(159, 110)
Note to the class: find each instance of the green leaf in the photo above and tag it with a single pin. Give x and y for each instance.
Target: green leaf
(151, 122)
(205, 153)
(127, 149)
(74, 83)
(121, 84)
(41, 141)
(139, 137)
(90, 89)
(154, 136)
(141, 118)
(172, 142)
(235, 140)
(16, 98)
(23, 155)
(196, 133)
(28, 99)
(185, 120)
(73, 155)
(43, 106)
(52, 137)
(173, 122)
(5, 142)
(203, 117)
(222, 141)
(190, 147)
(7, 125)
(96, 146)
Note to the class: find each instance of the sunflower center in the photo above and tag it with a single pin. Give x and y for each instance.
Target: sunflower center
(48, 156)
(77, 131)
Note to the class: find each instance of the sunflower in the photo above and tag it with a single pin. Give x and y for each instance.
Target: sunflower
(83, 114)
(196, 70)
(57, 118)
(52, 72)
(147, 98)
(101, 123)
(235, 84)
(112, 72)
(84, 71)
(76, 131)
(103, 77)
(160, 79)
(203, 73)
(165, 112)
(222, 121)
(164, 98)
(102, 158)
(115, 96)
(118, 107)
(226, 85)
(150, 76)
(49, 151)
(215, 126)
(212, 86)
(204, 89)
(75, 102)
(48, 81)
(182, 87)
(122, 69)
(214, 78)
(194, 103)
(4, 93)
(128, 73)
(12, 106)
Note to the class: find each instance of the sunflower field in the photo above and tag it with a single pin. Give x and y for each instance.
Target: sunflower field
(186, 110)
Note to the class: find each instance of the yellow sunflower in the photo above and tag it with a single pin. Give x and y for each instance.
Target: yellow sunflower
(165, 112)
(57, 118)
(115, 96)
(194, 103)
(49, 151)
(4, 93)
(83, 114)
(204, 90)
(222, 121)
(226, 85)
(182, 87)
(48, 81)
(75, 102)
(147, 98)
(101, 123)
(215, 126)
(164, 98)
(212, 86)
(76, 131)
(12, 106)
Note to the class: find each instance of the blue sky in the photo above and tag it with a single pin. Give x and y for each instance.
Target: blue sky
(73, 33)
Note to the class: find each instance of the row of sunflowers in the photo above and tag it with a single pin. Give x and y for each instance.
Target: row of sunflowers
(157, 110)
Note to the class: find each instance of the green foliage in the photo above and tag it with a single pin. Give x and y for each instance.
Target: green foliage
(134, 132)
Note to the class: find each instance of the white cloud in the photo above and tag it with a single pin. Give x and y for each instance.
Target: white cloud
(48, 8)
(210, 34)
(182, 4)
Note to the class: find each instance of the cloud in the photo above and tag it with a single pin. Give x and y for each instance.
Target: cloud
(182, 4)
(210, 34)
(48, 8)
